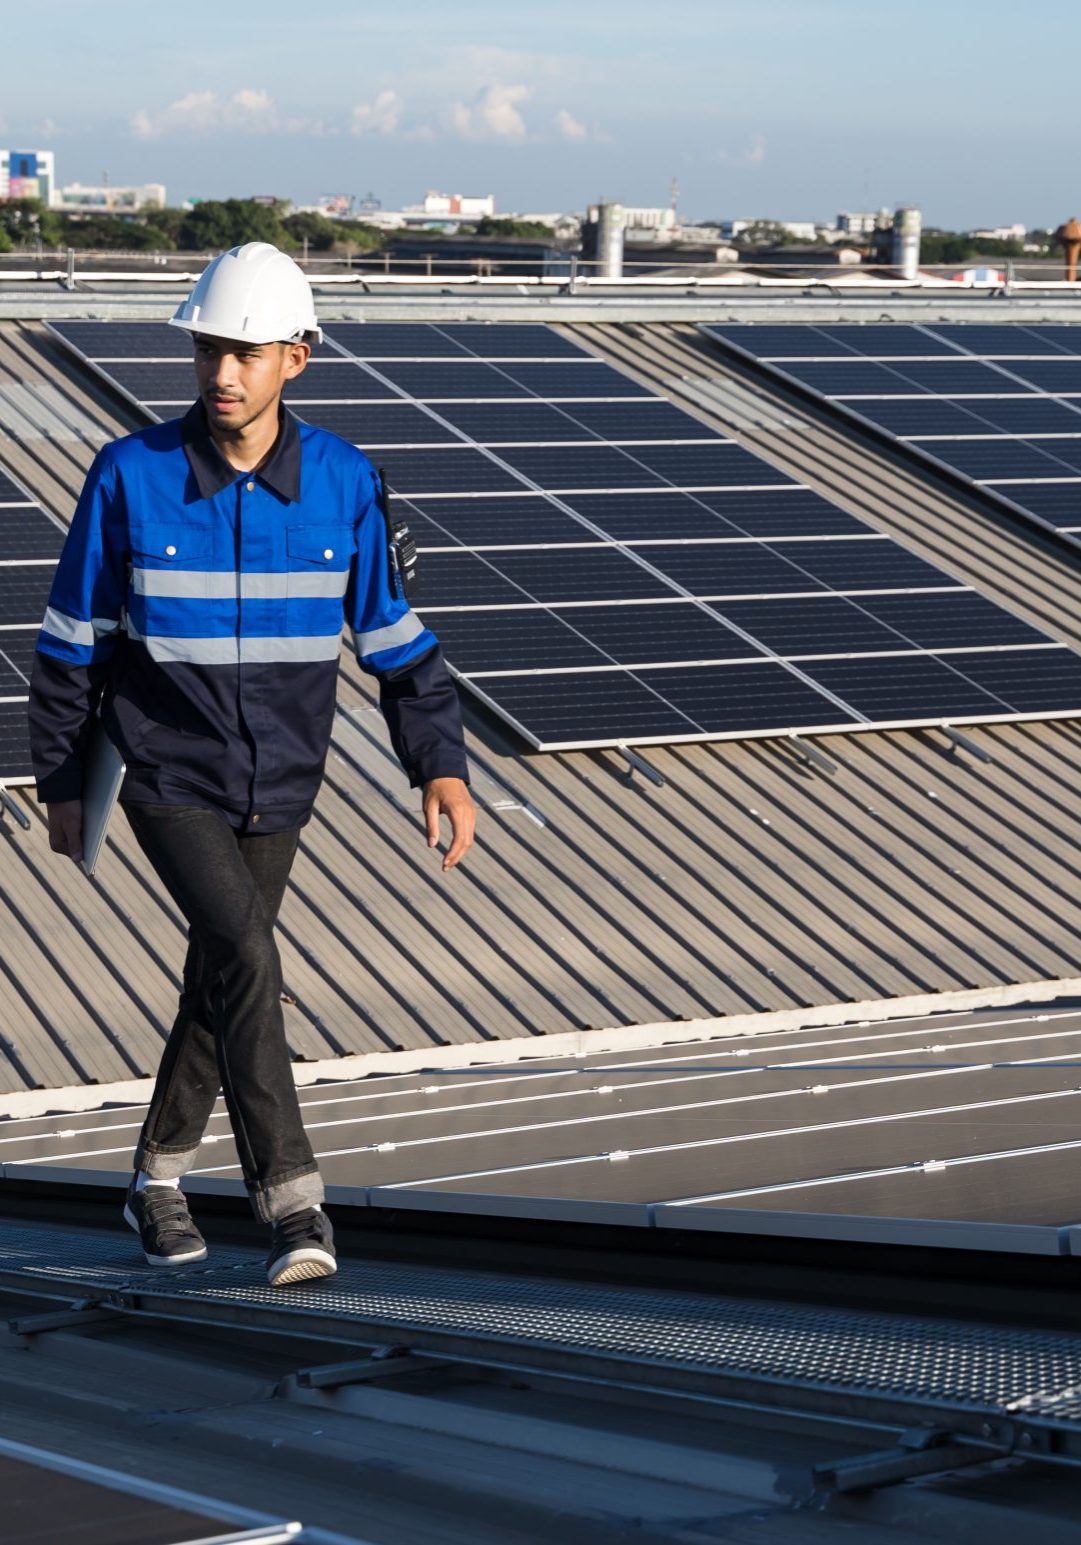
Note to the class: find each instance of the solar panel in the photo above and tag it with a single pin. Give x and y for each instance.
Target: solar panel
(30, 543)
(608, 568)
(860, 1131)
(783, 510)
(1059, 377)
(172, 382)
(429, 340)
(1006, 413)
(492, 522)
(889, 340)
(376, 424)
(1002, 457)
(15, 764)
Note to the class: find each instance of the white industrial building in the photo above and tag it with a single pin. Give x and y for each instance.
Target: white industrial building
(77, 197)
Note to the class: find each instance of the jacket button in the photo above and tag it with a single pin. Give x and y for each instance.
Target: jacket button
(255, 820)
(328, 552)
(170, 551)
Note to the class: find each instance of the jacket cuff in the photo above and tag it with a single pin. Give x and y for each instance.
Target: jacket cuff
(63, 783)
(439, 767)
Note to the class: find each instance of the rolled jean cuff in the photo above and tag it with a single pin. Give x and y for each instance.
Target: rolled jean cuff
(164, 1163)
(281, 1197)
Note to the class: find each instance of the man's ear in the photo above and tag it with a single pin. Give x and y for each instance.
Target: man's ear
(297, 356)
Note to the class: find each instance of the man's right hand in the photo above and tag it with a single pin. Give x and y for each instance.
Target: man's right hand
(66, 828)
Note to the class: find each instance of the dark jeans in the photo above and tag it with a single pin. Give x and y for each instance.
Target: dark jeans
(229, 1030)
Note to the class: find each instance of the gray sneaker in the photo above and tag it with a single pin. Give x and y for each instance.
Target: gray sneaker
(302, 1248)
(160, 1217)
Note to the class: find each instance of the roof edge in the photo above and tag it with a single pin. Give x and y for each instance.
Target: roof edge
(27, 1104)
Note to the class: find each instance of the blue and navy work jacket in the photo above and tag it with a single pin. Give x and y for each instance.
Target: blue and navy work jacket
(204, 608)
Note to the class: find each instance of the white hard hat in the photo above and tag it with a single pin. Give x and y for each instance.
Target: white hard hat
(251, 294)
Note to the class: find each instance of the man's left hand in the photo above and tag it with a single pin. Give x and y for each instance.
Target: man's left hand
(450, 797)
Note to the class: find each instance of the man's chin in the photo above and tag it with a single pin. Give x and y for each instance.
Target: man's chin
(232, 417)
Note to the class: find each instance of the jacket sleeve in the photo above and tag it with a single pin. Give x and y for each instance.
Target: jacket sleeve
(78, 636)
(418, 698)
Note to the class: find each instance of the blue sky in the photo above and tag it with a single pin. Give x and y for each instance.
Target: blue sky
(767, 108)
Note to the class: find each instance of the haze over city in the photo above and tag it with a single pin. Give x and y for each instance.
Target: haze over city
(783, 109)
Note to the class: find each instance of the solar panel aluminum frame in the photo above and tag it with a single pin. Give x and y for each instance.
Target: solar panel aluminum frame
(1003, 1238)
(910, 447)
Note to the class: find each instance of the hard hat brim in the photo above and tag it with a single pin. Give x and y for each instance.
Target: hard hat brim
(312, 335)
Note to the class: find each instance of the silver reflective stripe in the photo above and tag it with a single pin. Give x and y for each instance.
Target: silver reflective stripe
(272, 651)
(194, 583)
(401, 632)
(243, 651)
(193, 651)
(198, 584)
(314, 582)
(60, 625)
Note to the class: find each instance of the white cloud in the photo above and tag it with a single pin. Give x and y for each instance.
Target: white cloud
(754, 155)
(379, 117)
(491, 115)
(569, 127)
(249, 110)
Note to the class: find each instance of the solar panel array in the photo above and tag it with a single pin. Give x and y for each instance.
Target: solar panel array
(999, 403)
(30, 542)
(604, 568)
(916, 1129)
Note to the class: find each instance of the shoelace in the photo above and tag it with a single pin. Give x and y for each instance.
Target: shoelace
(297, 1227)
(168, 1213)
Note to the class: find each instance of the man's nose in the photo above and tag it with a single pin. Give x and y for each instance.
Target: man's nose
(226, 372)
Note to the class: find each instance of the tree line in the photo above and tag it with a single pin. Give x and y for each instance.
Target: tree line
(211, 226)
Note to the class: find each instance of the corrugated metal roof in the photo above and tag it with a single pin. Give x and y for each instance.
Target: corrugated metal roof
(749, 882)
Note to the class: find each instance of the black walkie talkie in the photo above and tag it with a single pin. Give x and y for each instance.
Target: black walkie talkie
(401, 548)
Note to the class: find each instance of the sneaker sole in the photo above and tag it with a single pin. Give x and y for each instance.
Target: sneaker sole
(187, 1259)
(301, 1266)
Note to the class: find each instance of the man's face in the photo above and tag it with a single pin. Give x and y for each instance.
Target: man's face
(240, 381)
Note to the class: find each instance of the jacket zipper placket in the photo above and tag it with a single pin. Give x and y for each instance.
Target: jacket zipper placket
(241, 706)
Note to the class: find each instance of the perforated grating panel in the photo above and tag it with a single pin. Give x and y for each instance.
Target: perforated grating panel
(935, 1362)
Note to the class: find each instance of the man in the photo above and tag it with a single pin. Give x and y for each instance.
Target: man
(200, 599)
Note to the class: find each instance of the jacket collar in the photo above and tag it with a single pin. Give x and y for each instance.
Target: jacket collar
(280, 472)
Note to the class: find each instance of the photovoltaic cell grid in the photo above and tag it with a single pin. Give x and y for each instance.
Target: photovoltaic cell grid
(917, 1129)
(999, 403)
(30, 543)
(603, 568)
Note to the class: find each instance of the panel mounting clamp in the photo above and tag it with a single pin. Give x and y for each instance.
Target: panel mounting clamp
(964, 743)
(639, 764)
(812, 754)
(9, 807)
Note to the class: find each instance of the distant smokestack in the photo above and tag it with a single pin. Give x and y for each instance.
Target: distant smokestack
(906, 242)
(610, 241)
(1070, 237)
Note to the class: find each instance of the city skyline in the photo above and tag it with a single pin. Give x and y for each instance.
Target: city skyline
(787, 111)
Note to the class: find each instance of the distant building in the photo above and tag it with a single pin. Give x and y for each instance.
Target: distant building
(1002, 233)
(800, 260)
(457, 206)
(662, 219)
(76, 197)
(856, 223)
(799, 230)
(28, 174)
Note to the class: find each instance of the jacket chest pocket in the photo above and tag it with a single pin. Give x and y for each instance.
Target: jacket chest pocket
(319, 560)
(169, 558)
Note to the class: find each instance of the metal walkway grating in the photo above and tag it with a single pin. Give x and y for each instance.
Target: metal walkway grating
(906, 1361)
